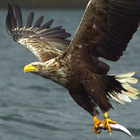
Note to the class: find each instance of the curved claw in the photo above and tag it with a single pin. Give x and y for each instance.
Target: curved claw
(106, 124)
(96, 125)
(96, 131)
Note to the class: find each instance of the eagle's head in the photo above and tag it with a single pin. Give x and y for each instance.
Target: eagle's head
(38, 68)
(46, 69)
(49, 69)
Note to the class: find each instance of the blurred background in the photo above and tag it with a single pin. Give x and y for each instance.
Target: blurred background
(33, 108)
(46, 3)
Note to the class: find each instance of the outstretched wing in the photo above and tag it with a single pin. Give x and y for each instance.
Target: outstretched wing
(45, 42)
(107, 27)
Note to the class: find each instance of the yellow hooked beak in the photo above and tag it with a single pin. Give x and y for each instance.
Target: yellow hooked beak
(30, 68)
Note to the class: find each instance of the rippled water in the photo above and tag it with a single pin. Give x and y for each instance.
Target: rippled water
(33, 108)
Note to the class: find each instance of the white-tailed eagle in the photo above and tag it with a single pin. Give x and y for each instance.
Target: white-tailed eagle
(105, 30)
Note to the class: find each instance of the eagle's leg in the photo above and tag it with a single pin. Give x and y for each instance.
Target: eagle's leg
(96, 124)
(107, 121)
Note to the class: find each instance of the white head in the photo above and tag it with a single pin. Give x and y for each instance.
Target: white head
(49, 69)
(45, 69)
(35, 67)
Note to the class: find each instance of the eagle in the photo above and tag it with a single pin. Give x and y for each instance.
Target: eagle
(105, 30)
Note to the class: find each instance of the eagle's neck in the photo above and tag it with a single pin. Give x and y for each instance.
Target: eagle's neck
(55, 71)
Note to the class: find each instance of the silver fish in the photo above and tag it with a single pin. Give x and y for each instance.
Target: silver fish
(117, 127)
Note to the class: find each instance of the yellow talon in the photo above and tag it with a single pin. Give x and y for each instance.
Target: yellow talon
(96, 124)
(107, 121)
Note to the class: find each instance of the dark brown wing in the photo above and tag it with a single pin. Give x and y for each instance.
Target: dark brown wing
(107, 27)
(45, 42)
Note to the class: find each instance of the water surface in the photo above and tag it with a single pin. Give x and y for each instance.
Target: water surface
(33, 108)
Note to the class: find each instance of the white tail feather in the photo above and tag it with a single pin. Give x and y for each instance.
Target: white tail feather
(124, 75)
(129, 80)
(124, 97)
(130, 92)
(115, 97)
(131, 95)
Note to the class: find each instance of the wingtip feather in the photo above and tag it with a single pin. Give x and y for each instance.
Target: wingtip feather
(29, 21)
(8, 24)
(18, 17)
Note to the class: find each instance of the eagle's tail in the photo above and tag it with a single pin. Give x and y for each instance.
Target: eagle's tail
(127, 91)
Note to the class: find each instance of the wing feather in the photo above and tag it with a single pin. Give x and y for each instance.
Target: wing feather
(45, 26)
(18, 17)
(38, 22)
(107, 27)
(12, 18)
(29, 21)
(45, 42)
(8, 24)
(49, 30)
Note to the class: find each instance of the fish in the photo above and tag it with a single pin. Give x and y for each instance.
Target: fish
(117, 127)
